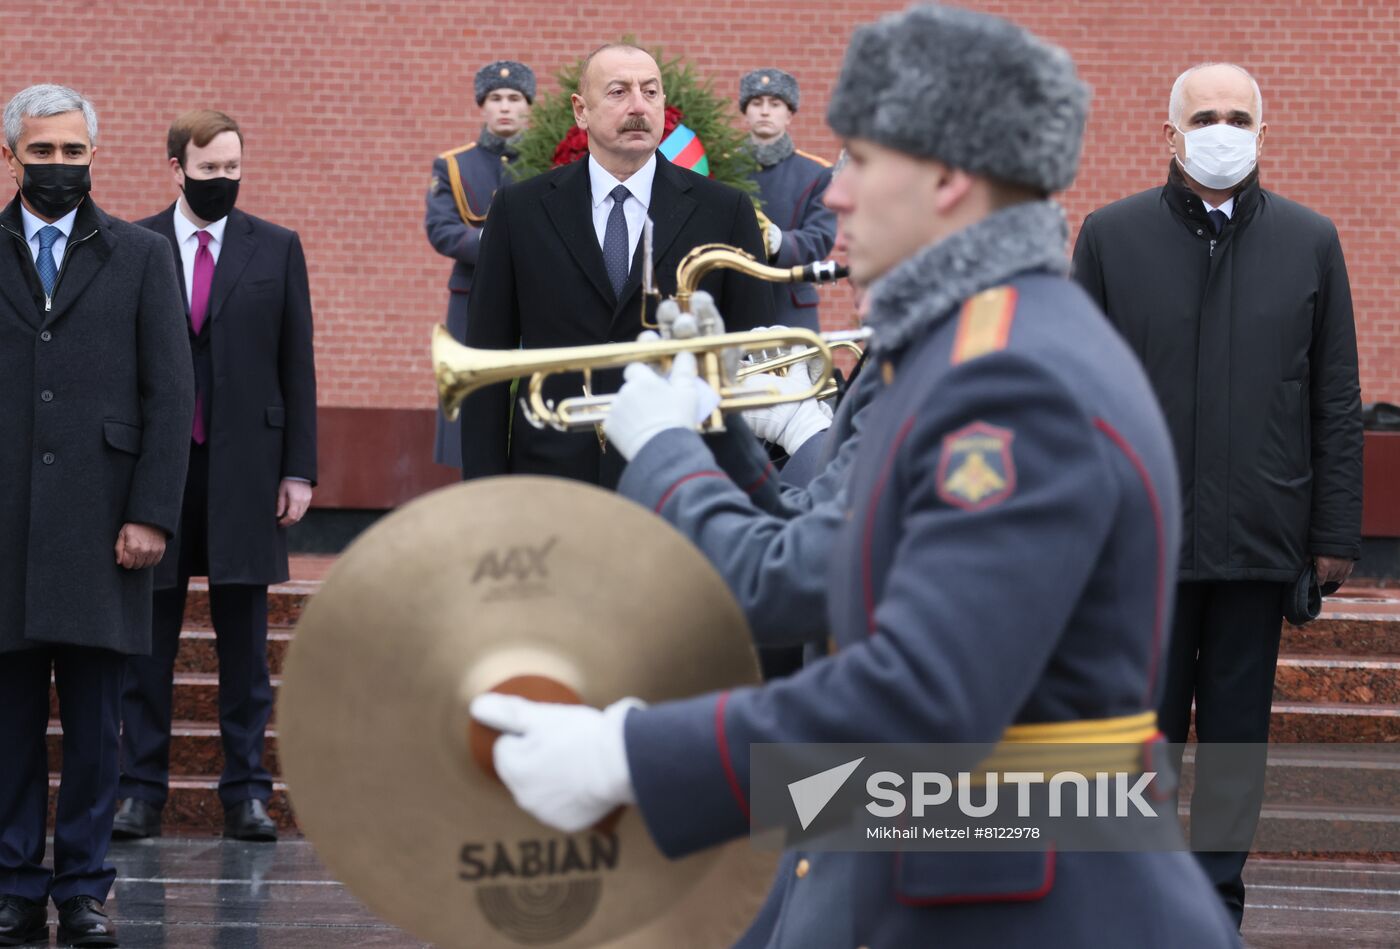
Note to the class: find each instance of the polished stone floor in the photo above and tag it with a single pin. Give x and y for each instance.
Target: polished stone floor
(190, 893)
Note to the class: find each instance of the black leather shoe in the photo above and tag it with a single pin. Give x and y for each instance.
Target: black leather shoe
(248, 820)
(136, 819)
(23, 921)
(81, 922)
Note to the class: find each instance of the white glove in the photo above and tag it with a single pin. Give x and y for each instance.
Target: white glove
(565, 765)
(788, 424)
(773, 237)
(649, 404)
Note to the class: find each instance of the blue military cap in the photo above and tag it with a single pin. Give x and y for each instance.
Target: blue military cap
(505, 74)
(768, 82)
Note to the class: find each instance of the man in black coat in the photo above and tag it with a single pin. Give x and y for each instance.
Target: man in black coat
(96, 397)
(1236, 301)
(252, 460)
(560, 263)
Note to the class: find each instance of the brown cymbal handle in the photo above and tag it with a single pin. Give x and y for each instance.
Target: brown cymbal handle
(482, 738)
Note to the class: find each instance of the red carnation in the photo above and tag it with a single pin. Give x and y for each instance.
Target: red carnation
(673, 118)
(572, 147)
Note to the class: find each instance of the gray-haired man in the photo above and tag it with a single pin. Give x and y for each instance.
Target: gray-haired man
(97, 394)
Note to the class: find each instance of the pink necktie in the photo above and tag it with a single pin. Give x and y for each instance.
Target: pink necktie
(199, 309)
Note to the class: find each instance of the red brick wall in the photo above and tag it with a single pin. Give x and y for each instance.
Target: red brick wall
(345, 102)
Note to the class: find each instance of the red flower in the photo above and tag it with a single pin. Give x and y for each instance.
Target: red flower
(572, 147)
(673, 118)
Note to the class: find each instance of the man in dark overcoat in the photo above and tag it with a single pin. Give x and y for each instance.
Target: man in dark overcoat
(459, 196)
(1236, 300)
(560, 263)
(96, 397)
(252, 452)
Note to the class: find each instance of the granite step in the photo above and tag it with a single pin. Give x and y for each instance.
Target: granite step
(1363, 777)
(1361, 622)
(198, 651)
(285, 601)
(195, 749)
(1329, 722)
(1337, 679)
(195, 697)
(193, 808)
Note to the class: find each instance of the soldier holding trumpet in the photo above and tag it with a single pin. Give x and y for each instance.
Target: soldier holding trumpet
(994, 540)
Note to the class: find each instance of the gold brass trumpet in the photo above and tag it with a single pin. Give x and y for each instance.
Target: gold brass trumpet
(461, 370)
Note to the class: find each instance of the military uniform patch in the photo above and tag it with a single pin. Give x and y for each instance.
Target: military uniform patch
(975, 468)
(433, 184)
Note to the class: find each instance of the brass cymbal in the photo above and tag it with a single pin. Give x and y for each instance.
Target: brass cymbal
(448, 597)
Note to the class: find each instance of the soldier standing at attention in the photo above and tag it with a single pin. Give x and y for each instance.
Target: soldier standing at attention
(800, 228)
(464, 181)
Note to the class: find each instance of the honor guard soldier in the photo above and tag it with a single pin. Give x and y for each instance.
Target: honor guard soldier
(993, 562)
(800, 229)
(459, 195)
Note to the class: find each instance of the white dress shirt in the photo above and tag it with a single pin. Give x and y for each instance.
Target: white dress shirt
(1228, 207)
(32, 225)
(186, 236)
(635, 211)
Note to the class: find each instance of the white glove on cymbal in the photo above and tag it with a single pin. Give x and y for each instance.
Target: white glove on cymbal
(788, 424)
(773, 238)
(565, 765)
(649, 404)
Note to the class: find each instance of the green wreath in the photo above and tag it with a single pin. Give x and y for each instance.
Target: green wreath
(553, 139)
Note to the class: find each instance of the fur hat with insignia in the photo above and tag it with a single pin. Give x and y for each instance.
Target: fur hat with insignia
(768, 82)
(970, 90)
(505, 74)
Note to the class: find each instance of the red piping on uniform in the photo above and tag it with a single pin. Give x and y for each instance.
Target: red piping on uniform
(1024, 896)
(723, 739)
(868, 534)
(672, 489)
(1160, 619)
(768, 470)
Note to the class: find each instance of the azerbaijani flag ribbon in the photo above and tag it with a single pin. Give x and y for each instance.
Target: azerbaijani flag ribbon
(683, 147)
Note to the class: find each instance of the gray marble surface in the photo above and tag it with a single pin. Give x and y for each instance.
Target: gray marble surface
(191, 893)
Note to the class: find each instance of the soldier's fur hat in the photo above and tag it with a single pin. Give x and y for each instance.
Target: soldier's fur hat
(505, 74)
(970, 90)
(768, 82)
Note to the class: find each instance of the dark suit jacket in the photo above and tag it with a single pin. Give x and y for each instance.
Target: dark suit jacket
(540, 282)
(96, 399)
(260, 398)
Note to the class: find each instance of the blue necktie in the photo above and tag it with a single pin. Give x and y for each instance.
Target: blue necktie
(48, 270)
(615, 242)
(1217, 219)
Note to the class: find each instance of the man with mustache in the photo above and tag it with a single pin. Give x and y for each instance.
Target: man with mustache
(560, 263)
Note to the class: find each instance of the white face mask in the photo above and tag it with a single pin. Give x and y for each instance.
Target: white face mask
(1220, 156)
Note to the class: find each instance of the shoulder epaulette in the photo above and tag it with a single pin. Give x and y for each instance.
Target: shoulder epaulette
(458, 150)
(816, 158)
(984, 325)
(459, 191)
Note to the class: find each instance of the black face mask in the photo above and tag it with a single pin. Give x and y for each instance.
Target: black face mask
(54, 190)
(211, 198)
